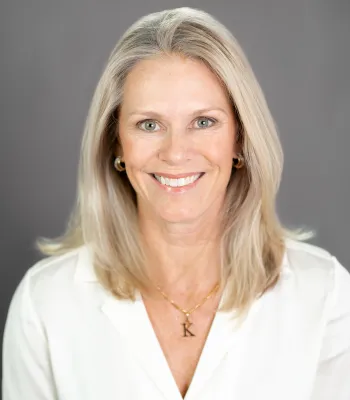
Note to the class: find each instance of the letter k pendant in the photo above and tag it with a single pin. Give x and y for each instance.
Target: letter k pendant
(186, 327)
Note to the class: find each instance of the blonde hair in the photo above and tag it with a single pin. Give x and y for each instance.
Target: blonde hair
(105, 215)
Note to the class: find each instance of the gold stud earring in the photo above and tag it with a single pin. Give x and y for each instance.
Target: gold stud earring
(119, 164)
(238, 162)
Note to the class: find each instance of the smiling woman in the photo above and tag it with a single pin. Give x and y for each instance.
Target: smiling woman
(179, 142)
(175, 278)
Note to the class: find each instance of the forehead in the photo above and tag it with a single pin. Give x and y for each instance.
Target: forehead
(173, 81)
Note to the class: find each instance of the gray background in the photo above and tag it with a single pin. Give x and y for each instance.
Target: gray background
(53, 52)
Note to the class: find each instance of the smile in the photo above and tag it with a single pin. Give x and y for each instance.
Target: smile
(177, 182)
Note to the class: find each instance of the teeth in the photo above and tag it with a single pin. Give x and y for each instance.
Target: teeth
(177, 182)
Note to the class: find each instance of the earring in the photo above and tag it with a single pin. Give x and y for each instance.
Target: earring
(238, 162)
(119, 164)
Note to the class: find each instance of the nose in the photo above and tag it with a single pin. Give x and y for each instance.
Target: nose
(175, 148)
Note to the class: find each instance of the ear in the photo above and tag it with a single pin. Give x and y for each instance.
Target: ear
(238, 144)
(118, 149)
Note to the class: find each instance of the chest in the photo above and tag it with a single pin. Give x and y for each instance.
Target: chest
(119, 350)
(181, 340)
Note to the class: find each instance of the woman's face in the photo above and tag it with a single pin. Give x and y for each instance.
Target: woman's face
(178, 138)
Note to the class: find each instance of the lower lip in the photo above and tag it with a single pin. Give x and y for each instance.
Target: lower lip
(179, 189)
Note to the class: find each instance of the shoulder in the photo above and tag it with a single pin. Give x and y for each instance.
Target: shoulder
(307, 259)
(316, 272)
(54, 271)
(43, 290)
(48, 283)
(318, 286)
(302, 251)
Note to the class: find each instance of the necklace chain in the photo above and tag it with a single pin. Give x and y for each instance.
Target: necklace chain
(187, 313)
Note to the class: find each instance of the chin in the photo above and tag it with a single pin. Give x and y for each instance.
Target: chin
(182, 216)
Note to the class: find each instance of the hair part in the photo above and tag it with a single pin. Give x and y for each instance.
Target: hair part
(105, 214)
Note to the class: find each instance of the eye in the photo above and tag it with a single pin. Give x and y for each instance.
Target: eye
(206, 124)
(149, 123)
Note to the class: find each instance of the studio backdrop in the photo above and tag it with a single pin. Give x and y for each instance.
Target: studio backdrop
(53, 52)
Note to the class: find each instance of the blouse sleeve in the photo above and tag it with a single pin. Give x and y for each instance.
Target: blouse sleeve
(333, 372)
(26, 366)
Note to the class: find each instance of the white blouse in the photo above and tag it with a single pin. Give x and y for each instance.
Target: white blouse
(66, 338)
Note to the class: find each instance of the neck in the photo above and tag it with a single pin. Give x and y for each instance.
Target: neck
(182, 258)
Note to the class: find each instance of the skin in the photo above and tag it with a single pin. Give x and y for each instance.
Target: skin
(179, 226)
(177, 139)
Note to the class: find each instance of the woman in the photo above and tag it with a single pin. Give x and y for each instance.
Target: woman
(175, 278)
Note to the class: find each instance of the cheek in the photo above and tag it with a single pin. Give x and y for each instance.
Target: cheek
(221, 151)
(137, 152)
(225, 164)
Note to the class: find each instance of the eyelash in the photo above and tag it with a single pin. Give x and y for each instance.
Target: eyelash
(213, 120)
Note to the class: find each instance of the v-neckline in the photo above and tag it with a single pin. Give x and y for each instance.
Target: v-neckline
(133, 322)
(201, 356)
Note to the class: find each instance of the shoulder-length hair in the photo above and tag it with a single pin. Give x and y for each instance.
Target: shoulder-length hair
(105, 216)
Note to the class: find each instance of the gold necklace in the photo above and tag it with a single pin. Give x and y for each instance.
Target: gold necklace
(187, 324)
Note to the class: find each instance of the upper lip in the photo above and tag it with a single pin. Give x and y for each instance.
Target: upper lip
(177, 176)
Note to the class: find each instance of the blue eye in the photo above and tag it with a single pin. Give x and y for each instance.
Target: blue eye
(206, 119)
(149, 122)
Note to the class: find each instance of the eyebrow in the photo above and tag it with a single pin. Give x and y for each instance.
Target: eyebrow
(158, 115)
